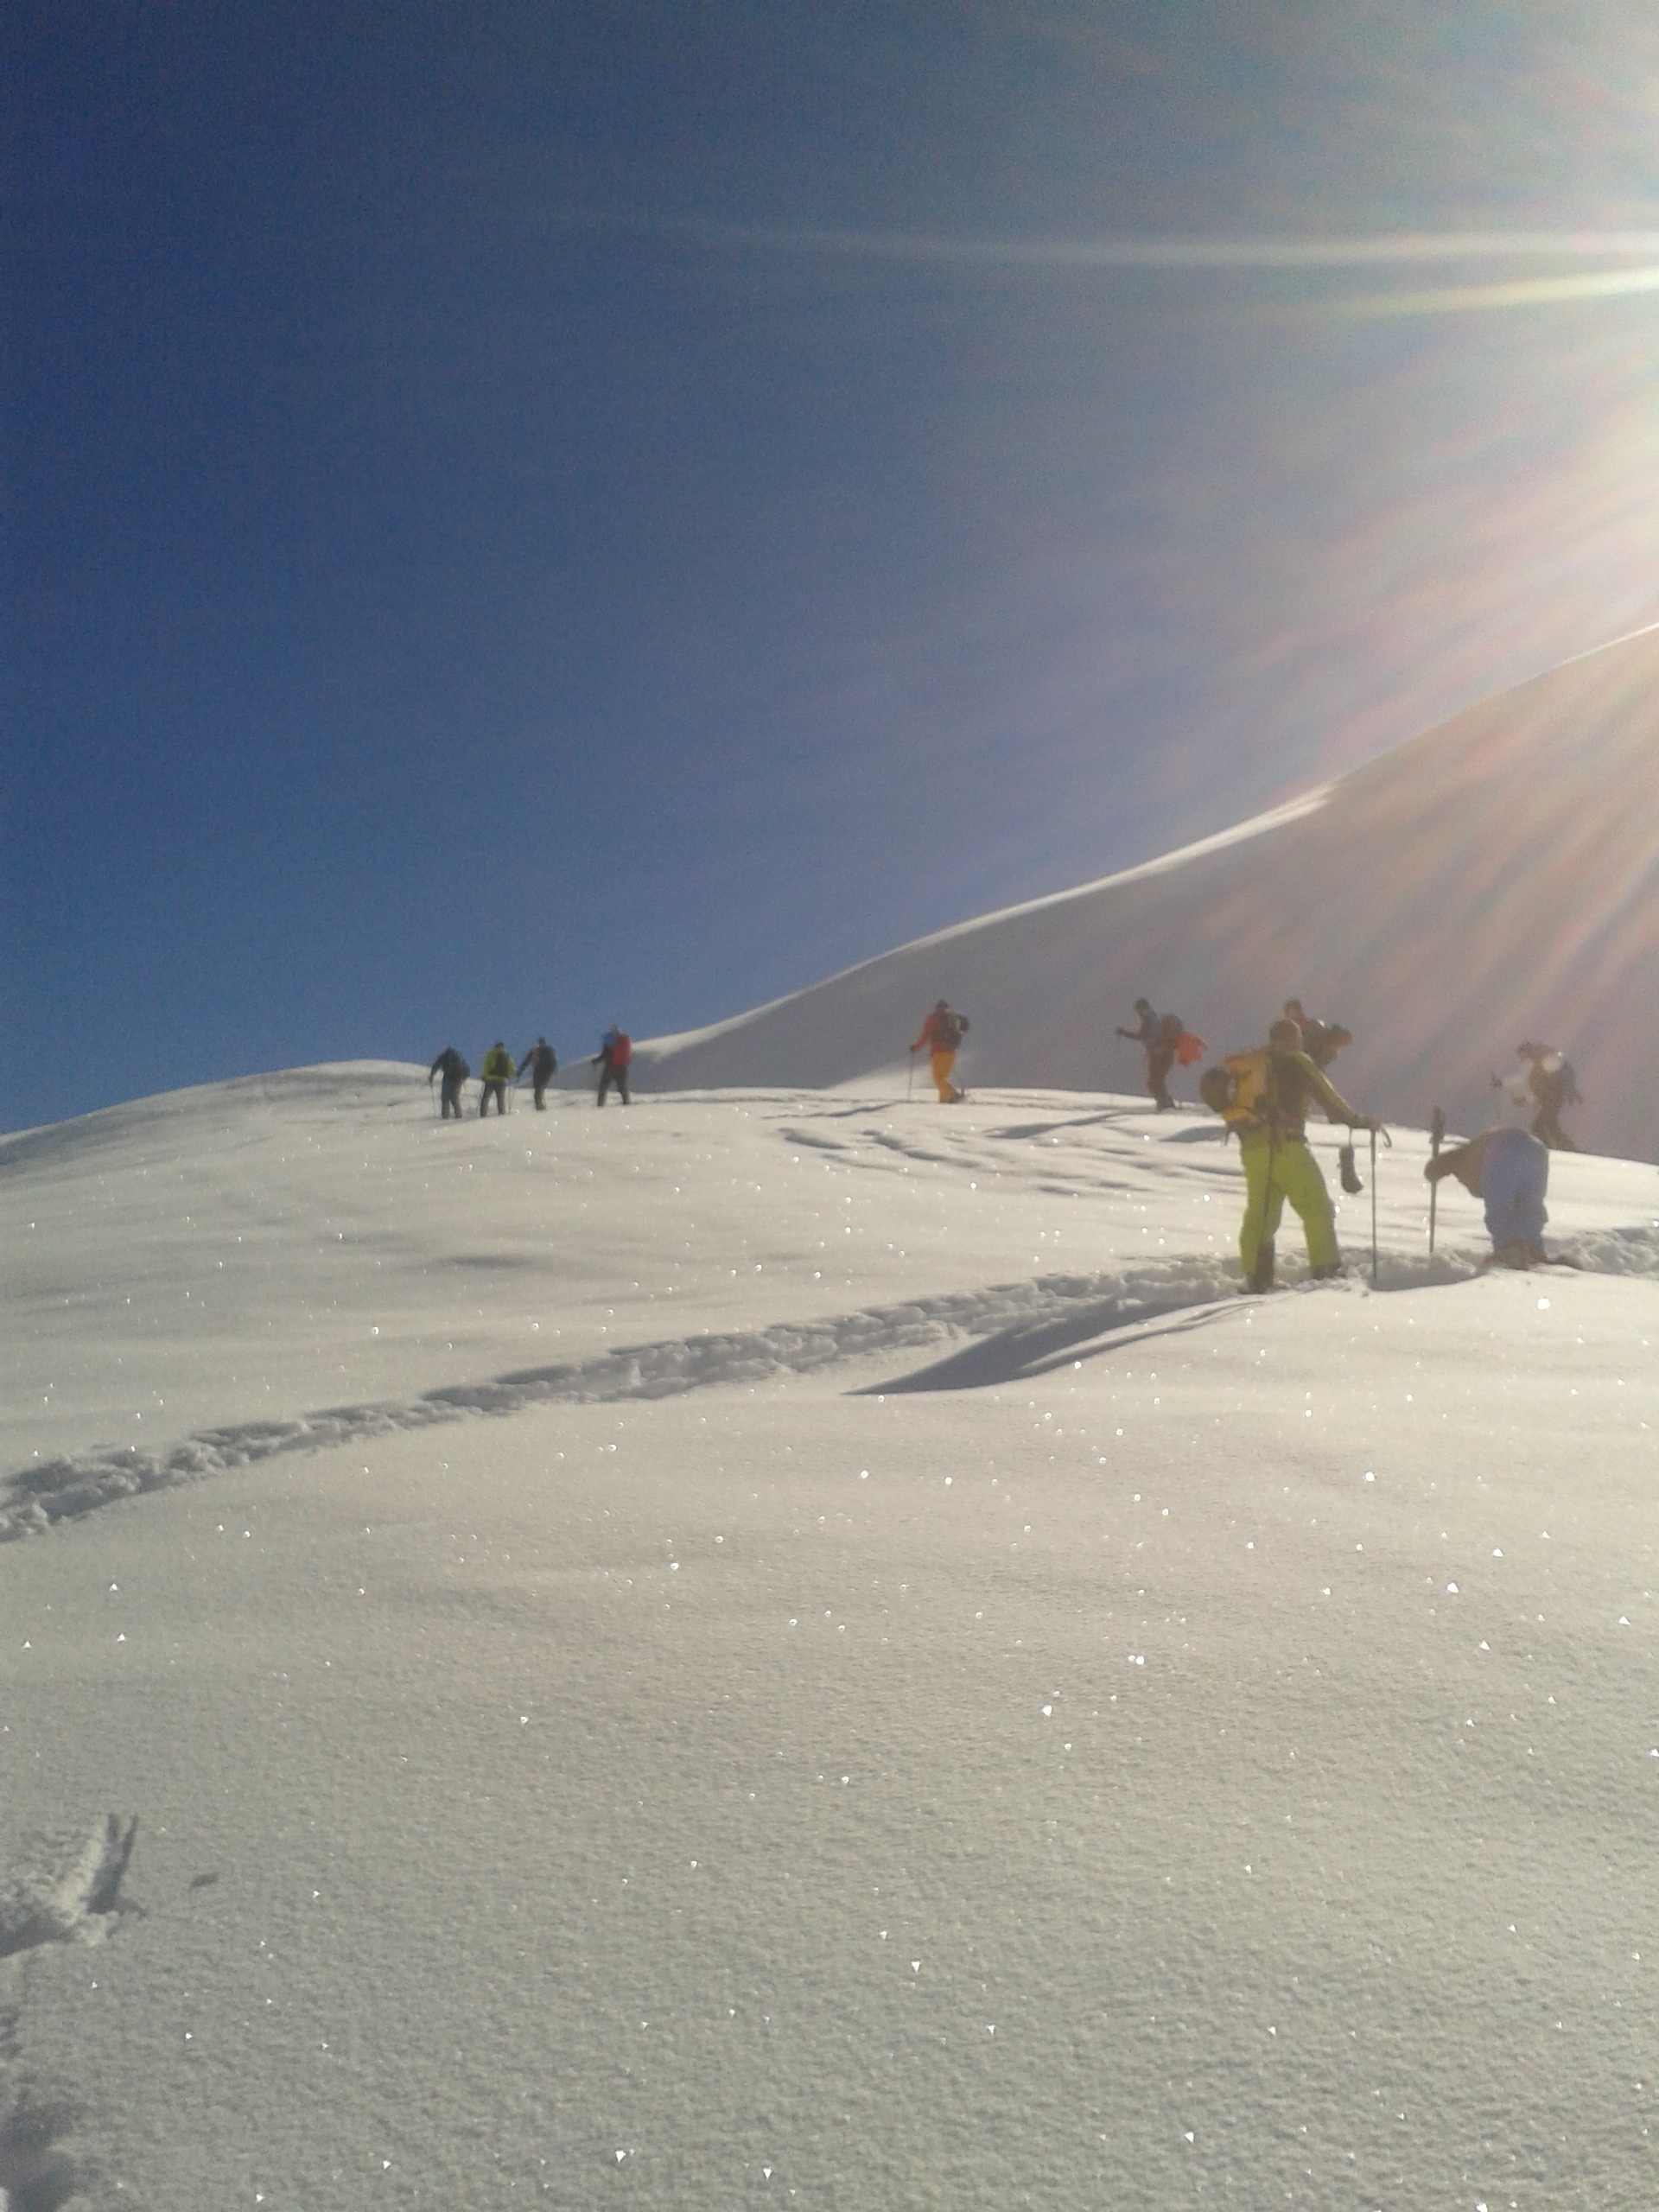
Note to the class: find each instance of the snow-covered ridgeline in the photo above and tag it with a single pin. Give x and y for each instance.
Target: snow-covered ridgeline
(1489, 881)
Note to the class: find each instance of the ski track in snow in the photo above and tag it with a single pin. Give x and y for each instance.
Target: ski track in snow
(1013, 1329)
(65, 1489)
(68, 1891)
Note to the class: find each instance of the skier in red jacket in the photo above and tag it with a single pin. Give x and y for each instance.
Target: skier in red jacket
(613, 1058)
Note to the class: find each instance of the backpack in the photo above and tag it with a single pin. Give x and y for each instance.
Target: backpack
(1239, 1088)
(621, 1049)
(1171, 1029)
(948, 1028)
(1557, 1069)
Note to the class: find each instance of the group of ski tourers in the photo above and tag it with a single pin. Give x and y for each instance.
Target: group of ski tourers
(1263, 1095)
(540, 1064)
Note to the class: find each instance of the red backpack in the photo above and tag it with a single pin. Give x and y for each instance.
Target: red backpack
(621, 1049)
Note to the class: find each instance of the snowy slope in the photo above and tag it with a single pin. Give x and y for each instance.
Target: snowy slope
(1489, 881)
(777, 1649)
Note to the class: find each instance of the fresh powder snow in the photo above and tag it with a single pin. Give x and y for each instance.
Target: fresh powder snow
(792, 1646)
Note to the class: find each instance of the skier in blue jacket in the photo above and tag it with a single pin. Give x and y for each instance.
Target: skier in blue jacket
(1507, 1170)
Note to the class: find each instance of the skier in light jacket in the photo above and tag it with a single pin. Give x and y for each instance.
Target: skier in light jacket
(497, 1074)
(1278, 1165)
(1551, 1081)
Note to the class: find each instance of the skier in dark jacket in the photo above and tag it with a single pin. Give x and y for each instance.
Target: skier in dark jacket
(1321, 1040)
(1158, 1034)
(455, 1072)
(614, 1058)
(1553, 1084)
(541, 1065)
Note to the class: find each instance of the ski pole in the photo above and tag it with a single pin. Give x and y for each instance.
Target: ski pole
(1373, 1209)
(1436, 1131)
(910, 1082)
(1266, 1198)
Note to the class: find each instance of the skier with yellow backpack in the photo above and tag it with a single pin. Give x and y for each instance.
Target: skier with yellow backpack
(1264, 1097)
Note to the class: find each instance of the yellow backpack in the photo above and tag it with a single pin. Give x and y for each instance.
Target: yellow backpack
(1240, 1089)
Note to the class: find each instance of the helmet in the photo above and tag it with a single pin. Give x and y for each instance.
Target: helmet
(1286, 1031)
(1143, 1006)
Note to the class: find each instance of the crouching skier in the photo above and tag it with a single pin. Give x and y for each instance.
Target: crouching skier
(1264, 1096)
(1508, 1171)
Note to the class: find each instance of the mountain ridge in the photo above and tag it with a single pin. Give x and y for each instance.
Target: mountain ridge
(1491, 880)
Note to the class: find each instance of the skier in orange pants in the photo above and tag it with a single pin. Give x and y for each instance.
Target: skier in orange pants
(942, 1032)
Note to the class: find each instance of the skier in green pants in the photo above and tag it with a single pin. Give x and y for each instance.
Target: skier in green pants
(1278, 1164)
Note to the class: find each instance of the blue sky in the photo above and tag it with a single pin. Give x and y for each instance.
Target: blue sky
(524, 517)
